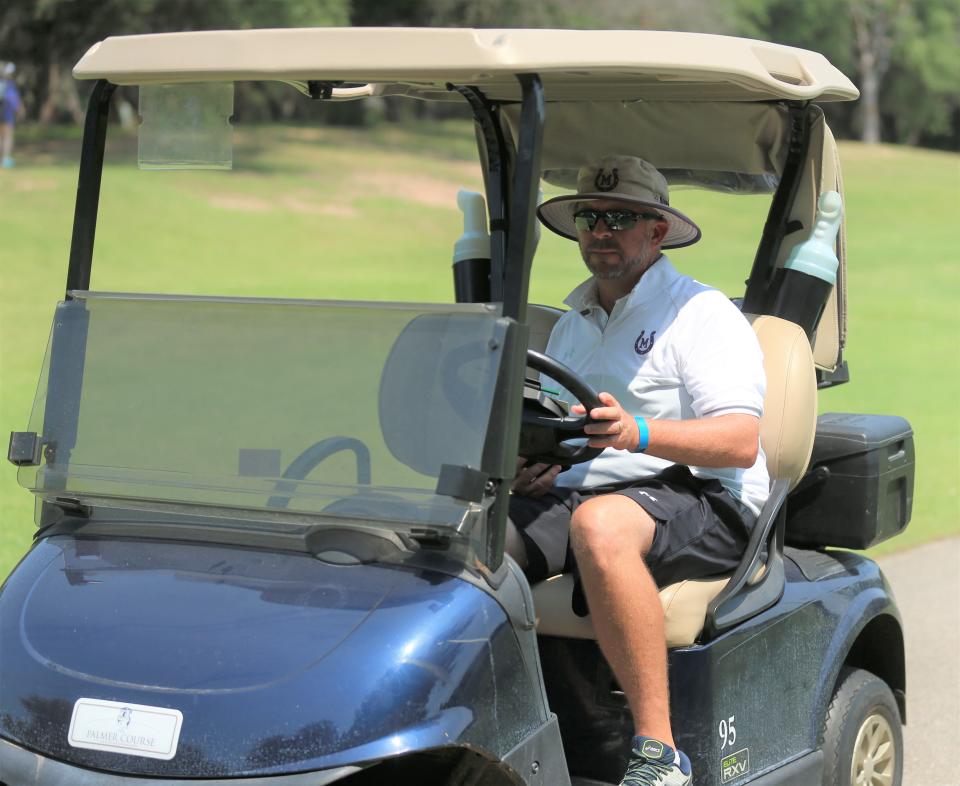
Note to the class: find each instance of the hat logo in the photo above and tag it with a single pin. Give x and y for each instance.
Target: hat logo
(606, 182)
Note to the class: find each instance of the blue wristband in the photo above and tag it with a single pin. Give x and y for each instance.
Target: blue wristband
(644, 430)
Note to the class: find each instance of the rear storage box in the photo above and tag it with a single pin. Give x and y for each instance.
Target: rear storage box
(859, 488)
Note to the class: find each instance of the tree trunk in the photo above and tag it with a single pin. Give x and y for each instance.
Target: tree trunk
(61, 99)
(874, 23)
(869, 99)
(48, 109)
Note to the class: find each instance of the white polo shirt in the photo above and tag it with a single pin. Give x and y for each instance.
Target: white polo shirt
(671, 349)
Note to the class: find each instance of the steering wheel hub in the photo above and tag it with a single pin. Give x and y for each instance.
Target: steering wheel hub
(548, 433)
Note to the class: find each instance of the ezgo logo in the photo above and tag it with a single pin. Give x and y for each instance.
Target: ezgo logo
(734, 765)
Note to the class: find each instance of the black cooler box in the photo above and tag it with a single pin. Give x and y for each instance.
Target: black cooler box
(859, 488)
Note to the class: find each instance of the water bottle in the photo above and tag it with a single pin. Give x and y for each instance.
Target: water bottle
(471, 251)
(804, 283)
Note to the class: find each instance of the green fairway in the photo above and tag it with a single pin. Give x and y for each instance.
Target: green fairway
(335, 213)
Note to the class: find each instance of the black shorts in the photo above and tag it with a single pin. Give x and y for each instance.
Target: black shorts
(701, 529)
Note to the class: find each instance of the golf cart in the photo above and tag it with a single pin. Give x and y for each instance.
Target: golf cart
(270, 544)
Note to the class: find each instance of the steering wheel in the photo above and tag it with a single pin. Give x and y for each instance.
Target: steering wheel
(546, 430)
(305, 463)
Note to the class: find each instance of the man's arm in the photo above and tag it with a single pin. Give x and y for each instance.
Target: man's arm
(723, 441)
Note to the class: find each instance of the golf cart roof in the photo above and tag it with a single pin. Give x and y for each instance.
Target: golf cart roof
(728, 114)
(419, 62)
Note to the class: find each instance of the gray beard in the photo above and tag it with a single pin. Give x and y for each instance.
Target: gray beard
(611, 273)
(626, 266)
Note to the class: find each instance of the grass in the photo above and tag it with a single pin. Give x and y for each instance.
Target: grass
(336, 213)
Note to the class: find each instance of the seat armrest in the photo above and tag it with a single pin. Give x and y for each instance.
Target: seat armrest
(745, 596)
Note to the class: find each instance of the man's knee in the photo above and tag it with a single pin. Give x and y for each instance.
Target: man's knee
(606, 525)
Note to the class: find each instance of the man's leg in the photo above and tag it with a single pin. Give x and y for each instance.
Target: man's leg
(610, 535)
(538, 531)
(515, 546)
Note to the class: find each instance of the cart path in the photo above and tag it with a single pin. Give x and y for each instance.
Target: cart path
(926, 585)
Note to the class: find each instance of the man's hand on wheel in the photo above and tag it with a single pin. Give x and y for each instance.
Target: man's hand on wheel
(615, 427)
(534, 480)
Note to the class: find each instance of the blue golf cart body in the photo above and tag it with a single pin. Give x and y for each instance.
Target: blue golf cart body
(270, 543)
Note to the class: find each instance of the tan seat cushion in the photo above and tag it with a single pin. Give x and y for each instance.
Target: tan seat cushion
(684, 606)
(541, 320)
(789, 421)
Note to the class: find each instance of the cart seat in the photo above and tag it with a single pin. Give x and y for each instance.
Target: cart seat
(787, 429)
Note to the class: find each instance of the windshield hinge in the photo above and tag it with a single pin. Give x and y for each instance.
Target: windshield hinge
(26, 448)
(460, 482)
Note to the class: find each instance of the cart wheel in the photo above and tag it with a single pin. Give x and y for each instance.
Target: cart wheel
(862, 739)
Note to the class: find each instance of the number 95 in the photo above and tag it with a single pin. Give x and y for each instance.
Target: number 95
(728, 733)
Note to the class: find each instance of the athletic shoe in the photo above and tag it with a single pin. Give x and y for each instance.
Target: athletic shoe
(654, 764)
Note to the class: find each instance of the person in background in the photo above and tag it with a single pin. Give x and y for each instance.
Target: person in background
(11, 110)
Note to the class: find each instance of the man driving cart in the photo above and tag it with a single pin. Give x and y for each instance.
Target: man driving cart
(682, 478)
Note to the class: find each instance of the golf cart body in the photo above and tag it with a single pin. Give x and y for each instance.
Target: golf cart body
(291, 570)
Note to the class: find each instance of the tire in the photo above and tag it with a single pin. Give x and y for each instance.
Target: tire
(862, 738)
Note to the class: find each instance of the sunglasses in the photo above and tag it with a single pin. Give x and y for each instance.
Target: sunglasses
(616, 220)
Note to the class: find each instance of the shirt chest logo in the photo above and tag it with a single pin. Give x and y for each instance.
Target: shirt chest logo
(643, 344)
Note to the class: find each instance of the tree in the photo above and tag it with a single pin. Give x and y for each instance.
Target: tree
(46, 37)
(876, 26)
(926, 64)
(567, 14)
(903, 56)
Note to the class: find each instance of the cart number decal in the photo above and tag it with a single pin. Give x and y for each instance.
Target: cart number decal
(734, 765)
(728, 732)
(133, 729)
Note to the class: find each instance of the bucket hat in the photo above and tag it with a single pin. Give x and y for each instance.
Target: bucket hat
(627, 179)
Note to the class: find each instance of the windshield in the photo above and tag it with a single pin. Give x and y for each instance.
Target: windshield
(346, 410)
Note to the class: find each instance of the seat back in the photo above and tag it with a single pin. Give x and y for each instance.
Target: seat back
(436, 393)
(789, 421)
(541, 320)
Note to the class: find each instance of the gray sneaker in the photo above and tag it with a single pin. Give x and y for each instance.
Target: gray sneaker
(654, 764)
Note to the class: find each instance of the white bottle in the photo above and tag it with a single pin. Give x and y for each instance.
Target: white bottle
(804, 284)
(471, 251)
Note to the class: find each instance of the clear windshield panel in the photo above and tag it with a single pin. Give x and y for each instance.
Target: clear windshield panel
(346, 410)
